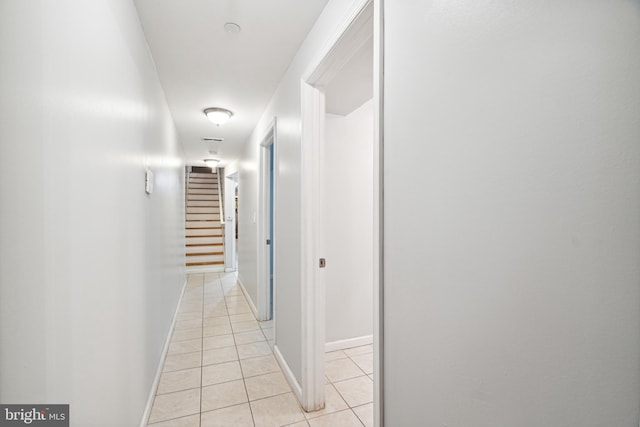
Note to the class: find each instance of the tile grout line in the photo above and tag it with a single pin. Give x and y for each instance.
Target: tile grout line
(246, 391)
(201, 353)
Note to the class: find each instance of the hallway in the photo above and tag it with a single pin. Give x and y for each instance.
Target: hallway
(220, 369)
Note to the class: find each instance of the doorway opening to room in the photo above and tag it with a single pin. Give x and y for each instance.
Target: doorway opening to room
(341, 221)
(266, 225)
(231, 222)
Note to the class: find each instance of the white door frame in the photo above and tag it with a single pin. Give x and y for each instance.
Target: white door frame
(264, 294)
(353, 32)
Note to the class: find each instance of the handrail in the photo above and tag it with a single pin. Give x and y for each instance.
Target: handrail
(220, 196)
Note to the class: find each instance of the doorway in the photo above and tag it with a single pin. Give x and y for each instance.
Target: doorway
(231, 221)
(354, 44)
(266, 226)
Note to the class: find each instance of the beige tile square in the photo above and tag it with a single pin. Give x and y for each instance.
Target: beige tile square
(214, 304)
(334, 355)
(219, 312)
(214, 331)
(276, 411)
(246, 317)
(213, 294)
(245, 326)
(365, 413)
(259, 366)
(182, 361)
(266, 385)
(219, 355)
(233, 416)
(189, 309)
(363, 349)
(268, 333)
(341, 369)
(356, 391)
(189, 346)
(298, 424)
(186, 334)
(232, 291)
(188, 324)
(220, 341)
(256, 349)
(175, 405)
(222, 395)
(364, 362)
(333, 402)
(343, 419)
(239, 309)
(235, 299)
(222, 372)
(190, 421)
(249, 337)
(179, 380)
(215, 321)
(189, 316)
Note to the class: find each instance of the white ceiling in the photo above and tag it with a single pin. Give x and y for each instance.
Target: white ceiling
(201, 65)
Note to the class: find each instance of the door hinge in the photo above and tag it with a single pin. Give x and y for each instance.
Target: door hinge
(323, 263)
(268, 241)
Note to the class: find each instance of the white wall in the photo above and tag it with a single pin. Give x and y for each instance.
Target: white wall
(347, 181)
(285, 104)
(512, 213)
(91, 268)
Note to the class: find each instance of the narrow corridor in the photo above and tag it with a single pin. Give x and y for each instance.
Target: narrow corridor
(220, 369)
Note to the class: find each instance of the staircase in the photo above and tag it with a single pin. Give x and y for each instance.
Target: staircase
(204, 239)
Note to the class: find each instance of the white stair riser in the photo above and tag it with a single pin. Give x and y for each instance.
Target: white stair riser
(200, 240)
(203, 231)
(192, 210)
(212, 197)
(201, 249)
(202, 175)
(207, 203)
(193, 185)
(203, 190)
(203, 217)
(198, 180)
(202, 224)
(205, 258)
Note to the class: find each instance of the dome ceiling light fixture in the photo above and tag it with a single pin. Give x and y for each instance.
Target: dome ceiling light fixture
(218, 116)
(232, 27)
(212, 163)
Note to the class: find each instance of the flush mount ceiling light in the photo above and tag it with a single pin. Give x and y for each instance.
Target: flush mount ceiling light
(218, 116)
(212, 163)
(232, 27)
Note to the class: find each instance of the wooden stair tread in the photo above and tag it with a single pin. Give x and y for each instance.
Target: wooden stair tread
(191, 264)
(205, 253)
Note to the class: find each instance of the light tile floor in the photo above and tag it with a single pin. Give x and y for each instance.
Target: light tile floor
(220, 370)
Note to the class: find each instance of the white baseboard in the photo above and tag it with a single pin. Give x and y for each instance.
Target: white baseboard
(348, 343)
(248, 298)
(163, 356)
(288, 374)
